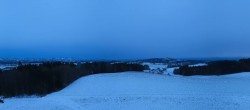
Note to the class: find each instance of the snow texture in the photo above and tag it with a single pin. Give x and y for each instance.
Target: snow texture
(199, 64)
(144, 91)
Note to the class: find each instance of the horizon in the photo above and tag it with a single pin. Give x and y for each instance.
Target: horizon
(183, 58)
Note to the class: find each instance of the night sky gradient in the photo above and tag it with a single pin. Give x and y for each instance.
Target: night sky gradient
(123, 29)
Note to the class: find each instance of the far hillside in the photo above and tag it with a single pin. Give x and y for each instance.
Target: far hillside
(216, 68)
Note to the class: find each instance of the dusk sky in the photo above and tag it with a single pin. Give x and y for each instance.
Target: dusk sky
(123, 29)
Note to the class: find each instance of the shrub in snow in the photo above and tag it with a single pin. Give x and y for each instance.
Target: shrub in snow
(1, 101)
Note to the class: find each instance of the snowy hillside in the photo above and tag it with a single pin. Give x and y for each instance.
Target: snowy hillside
(144, 91)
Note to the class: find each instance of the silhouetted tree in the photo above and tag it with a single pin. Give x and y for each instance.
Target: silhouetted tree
(53, 76)
(216, 68)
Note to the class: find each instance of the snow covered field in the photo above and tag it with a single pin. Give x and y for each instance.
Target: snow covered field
(144, 91)
(6, 67)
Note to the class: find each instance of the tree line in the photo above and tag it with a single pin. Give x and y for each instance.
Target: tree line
(49, 77)
(216, 68)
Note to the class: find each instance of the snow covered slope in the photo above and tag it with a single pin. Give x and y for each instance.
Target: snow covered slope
(144, 91)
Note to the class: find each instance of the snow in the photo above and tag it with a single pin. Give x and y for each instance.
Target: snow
(144, 91)
(199, 64)
(156, 65)
(156, 68)
(2, 67)
(170, 71)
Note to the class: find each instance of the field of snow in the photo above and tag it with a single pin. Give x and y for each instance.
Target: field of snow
(199, 64)
(6, 66)
(144, 91)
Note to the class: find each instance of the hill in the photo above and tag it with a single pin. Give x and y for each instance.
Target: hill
(144, 91)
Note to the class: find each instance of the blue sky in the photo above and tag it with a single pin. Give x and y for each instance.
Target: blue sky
(111, 29)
